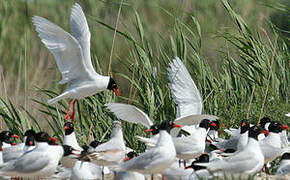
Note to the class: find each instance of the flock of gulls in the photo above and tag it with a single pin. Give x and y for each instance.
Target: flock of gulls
(187, 148)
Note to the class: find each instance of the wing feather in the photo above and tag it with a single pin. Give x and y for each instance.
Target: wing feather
(130, 113)
(183, 89)
(80, 30)
(65, 49)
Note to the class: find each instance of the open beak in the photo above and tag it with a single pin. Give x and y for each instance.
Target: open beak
(117, 92)
(15, 136)
(177, 126)
(283, 126)
(266, 132)
(148, 130)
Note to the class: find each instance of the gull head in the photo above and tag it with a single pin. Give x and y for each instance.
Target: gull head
(113, 86)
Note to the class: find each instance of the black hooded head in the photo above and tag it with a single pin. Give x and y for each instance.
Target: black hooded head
(68, 128)
(264, 121)
(153, 129)
(285, 156)
(244, 126)
(30, 136)
(168, 125)
(217, 123)
(42, 137)
(112, 86)
(5, 136)
(67, 150)
(95, 143)
(204, 158)
(275, 127)
(254, 131)
(132, 154)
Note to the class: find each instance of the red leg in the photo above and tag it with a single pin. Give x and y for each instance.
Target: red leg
(163, 177)
(152, 177)
(68, 111)
(74, 109)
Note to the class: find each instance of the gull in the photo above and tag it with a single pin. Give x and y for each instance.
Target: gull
(271, 145)
(248, 161)
(73, 59)
(199, 172)
(186, 147)
(284, 167)
(238, 140)
(70, 140)
(175, 172)
(5, 137)
(192, 146)
(112, 152)
(133, 114)
(213, 132)
(125, 175)
(85, 169)
(39, 162)
(186, 95)
(156, 159)
(14, 152)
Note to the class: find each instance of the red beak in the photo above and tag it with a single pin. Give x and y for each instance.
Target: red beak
(148, 130)
(266, 132)
(177, 126)
(1, 149)
(187, 167)
(13, 144)
(53, 139)
(243, 124)
(213, 124)
(283, 126)
(15, 136)
(30, 143)
(126, 159)
(65, 128)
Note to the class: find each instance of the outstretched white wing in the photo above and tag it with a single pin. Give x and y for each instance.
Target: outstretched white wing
(130, 113)
(194, 119)
(190, 120)
(65, 49)
(183, 89)
(80, 30)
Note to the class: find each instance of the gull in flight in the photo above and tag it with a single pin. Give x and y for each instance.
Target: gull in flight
(73, 59)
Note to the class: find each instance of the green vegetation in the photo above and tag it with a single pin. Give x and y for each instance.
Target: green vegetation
(237, 57)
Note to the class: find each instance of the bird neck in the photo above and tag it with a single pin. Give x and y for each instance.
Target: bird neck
(274, 139)
(41, 144)
(165, 139)
(118, 134)
(71, 140)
